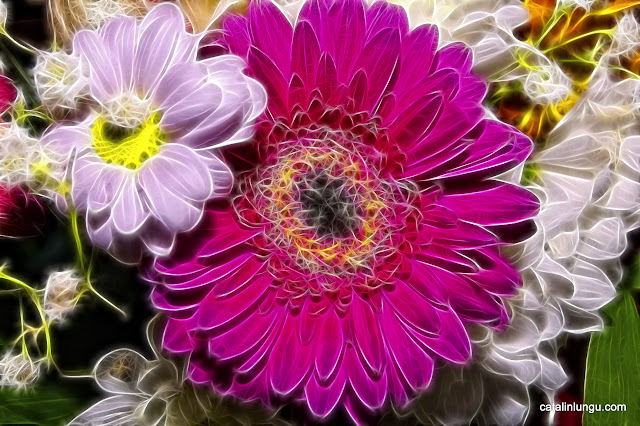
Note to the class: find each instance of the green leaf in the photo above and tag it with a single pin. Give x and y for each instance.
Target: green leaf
(613, 366)
(47, 404)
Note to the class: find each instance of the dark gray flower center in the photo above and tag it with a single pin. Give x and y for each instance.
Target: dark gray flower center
(328, 207)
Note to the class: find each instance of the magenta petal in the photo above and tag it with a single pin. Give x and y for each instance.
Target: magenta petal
(322, 400)
(452, 342)
(255, 389)
(456, 120)
(327, 355)
(290, 360)
(235, 282)
(418, 51)
(176, 336)
(277, 87)
(466, 298)
(191, 275)
(275, 42)
(412, 123)
(166, 300)
(456, 56)
(245, 336)
(308, 325)
(305, 54)
(459, 234)
(398, 390)
(237, 28)
(327, 78)
(367, 334)
(215, 313)
(226, 240)
(371, 392)
(315, 12)
(198, 374)
(258, 361)
(414, 308)
(498, 148)
(414, 364)
(496, 276)
(347, 26)
(379, 60)
(382, 15)
(497, 203)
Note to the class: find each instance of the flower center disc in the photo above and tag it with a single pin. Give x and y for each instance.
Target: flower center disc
(329, 218)
(328, 207)
(128, 147)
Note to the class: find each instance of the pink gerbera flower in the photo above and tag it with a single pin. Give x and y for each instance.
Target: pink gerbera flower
(366, 229)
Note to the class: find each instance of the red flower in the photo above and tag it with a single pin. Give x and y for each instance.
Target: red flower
(21, 215)
(8, 94)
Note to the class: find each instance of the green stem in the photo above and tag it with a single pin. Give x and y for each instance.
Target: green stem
(16, 64)
(104, 299)
(590, 33)
(35, 298)
(17, 43)
(78, 242)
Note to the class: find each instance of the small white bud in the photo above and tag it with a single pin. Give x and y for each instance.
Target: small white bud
(60, 294)
(18, 372)
(60, 82)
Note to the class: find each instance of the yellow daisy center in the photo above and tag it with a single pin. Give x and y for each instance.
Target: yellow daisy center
(128, 147)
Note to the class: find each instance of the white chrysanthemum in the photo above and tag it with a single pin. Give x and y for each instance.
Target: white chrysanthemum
(600, 135)
(547, 84)
(141, 390)
(18, 372)
(589, 184)
(59, 81)
(627, 36)
(155, 392)
(60, 294)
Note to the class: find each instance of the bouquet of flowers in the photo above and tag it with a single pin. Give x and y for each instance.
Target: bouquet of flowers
(319, 212)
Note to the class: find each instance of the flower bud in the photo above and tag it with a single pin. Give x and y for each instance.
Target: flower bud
(60, 294)
(18, 372)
